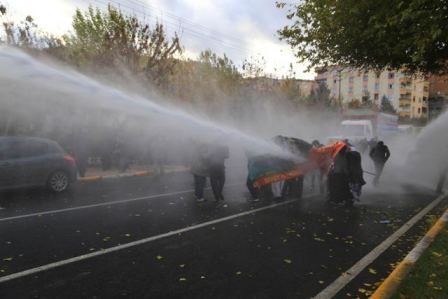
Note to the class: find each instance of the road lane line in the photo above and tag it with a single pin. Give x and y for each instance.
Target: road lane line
(331, 290)
(109, 203)
(138, 242)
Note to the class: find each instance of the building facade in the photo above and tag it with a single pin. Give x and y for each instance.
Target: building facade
(407, 93)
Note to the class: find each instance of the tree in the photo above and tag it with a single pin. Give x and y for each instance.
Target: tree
(320, 96)
(254, 67)
(386, 105)
(220, 69)
(370, 34)
(112, 39)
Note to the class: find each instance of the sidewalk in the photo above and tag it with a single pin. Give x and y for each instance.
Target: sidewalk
(96, 173)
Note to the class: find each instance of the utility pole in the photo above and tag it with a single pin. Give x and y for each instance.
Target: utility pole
(339, 93)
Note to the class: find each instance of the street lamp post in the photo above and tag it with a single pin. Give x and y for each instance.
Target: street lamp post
(339, 89)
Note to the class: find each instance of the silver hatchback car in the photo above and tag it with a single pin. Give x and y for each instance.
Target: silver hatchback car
(30, 161)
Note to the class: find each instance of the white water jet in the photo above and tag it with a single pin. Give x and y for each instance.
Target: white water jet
(31, 90)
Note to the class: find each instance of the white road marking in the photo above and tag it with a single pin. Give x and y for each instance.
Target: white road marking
(137, 243)
(331, 290)
(109, 203)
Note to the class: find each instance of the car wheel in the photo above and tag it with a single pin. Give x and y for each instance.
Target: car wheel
(58, 181)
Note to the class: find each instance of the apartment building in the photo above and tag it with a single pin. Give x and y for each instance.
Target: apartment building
(408, 94)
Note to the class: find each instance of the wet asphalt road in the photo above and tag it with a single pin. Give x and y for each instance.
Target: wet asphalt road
(292, 250)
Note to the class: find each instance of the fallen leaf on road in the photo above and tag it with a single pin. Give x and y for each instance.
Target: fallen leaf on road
(238, 273)
(436, 254)
(361, 290)
(288, 261)
(159, 257)
(321, 281)
(202, 277)
(7, 259)
(319, 240)
(372, 271)
(127, 235)
(182, 279)
(182, 265)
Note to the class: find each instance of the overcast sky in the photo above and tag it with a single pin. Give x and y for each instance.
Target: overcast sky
(241, 29)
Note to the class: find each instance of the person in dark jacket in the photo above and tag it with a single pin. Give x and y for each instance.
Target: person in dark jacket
(441, 181)
(218, 155)
(338, 179)
(200, 169)
(379, 154)
(355, 173)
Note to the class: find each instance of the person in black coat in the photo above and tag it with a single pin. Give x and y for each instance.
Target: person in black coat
(338, 179)
(355, 173)
(379, 154)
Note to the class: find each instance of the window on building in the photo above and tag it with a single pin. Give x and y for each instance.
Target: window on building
(376, 97)
(424, 110)
(365, 77)
(391, 75)
(350, 89)
(334, 81)
(424, 99)
(377, 75)
(413, 99)
(377, 86)
(350, 79)
(419, 100)
(391, 86)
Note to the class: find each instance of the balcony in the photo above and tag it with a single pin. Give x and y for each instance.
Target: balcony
(406, 80)
(405, 90)
(405, 102)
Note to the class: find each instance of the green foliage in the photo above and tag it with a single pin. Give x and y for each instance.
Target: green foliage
(320, 96)
(370, 34)
(386, 105)
(253, 67)
(220, 69)
(112, 39)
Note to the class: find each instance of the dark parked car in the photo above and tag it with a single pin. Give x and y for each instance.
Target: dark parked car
(29, 161)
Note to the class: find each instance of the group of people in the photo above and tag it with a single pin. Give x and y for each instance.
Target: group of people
(208, 160)
(280, 176)
(345, 175)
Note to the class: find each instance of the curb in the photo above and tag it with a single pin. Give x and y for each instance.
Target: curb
(391, 283)
(115, 176)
